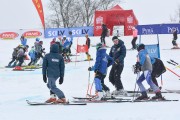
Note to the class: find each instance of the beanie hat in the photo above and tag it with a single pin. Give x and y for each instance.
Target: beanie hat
(114, 38)
(140, 47)
(99, 45)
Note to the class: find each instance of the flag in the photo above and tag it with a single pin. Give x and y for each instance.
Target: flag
(82, 48)
(39, 8)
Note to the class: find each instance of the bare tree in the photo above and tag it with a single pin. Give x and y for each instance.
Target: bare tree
(176, 17)
(74, 13)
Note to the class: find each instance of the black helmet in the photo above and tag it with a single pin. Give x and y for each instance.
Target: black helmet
(99, 45)
(114, 38)
(140, 47)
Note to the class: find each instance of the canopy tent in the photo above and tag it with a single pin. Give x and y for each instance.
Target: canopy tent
(114, 17)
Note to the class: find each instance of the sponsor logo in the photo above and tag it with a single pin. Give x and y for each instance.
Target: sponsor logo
(130, 19)
(9, 35)
(98, 27)
(55, 60)
(32, 34)
(147, 31)
(170, 29)
(129, 27)
(99, 20)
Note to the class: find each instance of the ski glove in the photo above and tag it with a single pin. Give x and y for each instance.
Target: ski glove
(117, 61)
(61, 80)
(89, 68)
(44, 78)
(137, 67)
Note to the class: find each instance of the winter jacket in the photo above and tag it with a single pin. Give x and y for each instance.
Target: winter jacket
(103, 61)
(144, 60)
(104, 30)
(118, 52)
(32, 54)
(66, 44)
(88, 42)
(53, 63)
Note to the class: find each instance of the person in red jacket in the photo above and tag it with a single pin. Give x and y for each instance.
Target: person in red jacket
(53, 41)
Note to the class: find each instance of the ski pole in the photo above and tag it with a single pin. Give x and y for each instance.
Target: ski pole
(138, 74)
(173, 72)
(88, 84)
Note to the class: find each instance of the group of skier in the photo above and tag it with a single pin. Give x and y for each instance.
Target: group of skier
(54, 65)
(20, 53)
(151, 69)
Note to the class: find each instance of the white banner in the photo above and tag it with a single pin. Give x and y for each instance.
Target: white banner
(16, 34)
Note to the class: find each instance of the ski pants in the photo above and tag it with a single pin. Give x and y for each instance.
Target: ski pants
(13, 60)
(104, 87)
(147, 75)
(133, 42)
(98, 85)
(115, 76)
(103, 39)
(52, 86)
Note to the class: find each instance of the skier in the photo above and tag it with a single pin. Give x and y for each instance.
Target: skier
(23, 40)
(32, 55)
(104, 34)
(14, 57)
(175, 45)
(53, 41)
(38, 51)
(59, 43)
(21, 54)
(66, 49)
(144, 64)
(133, 42)
(53, 68)
(118, 53)
(103, 61)
(71, 41)
(88, 42)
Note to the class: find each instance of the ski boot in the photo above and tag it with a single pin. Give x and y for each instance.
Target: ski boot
(60, 100)
(158, 96)
(143, 96)
(52, 99)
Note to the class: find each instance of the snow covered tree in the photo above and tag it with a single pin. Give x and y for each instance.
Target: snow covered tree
(74, 13)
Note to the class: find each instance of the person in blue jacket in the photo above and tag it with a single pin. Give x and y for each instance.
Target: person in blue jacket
(32, 55)
(144, 64)
(53, 68)
(118, 53)
(66, 45)
(23, 40)
(103, 61)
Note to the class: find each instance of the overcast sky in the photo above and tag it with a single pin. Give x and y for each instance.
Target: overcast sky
(21, 14)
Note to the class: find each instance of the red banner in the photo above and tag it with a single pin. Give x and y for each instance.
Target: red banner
(82, 48)
(39, 8)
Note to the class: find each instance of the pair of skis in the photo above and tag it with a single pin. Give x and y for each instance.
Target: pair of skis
(116, 100)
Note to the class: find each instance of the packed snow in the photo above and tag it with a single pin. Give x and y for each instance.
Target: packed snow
(19, 86)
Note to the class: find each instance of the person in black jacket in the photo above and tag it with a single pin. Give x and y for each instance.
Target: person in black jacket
(53, 68)
(103, 34)
(118, 52)
(88, 42)
(175, 37)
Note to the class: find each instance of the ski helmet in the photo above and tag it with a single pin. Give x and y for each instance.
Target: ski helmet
(37, 39)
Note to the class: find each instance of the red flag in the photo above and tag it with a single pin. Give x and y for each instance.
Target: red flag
(39, 8)
(82, 48)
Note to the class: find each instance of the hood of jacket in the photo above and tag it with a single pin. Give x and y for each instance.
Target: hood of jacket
(54, 48)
